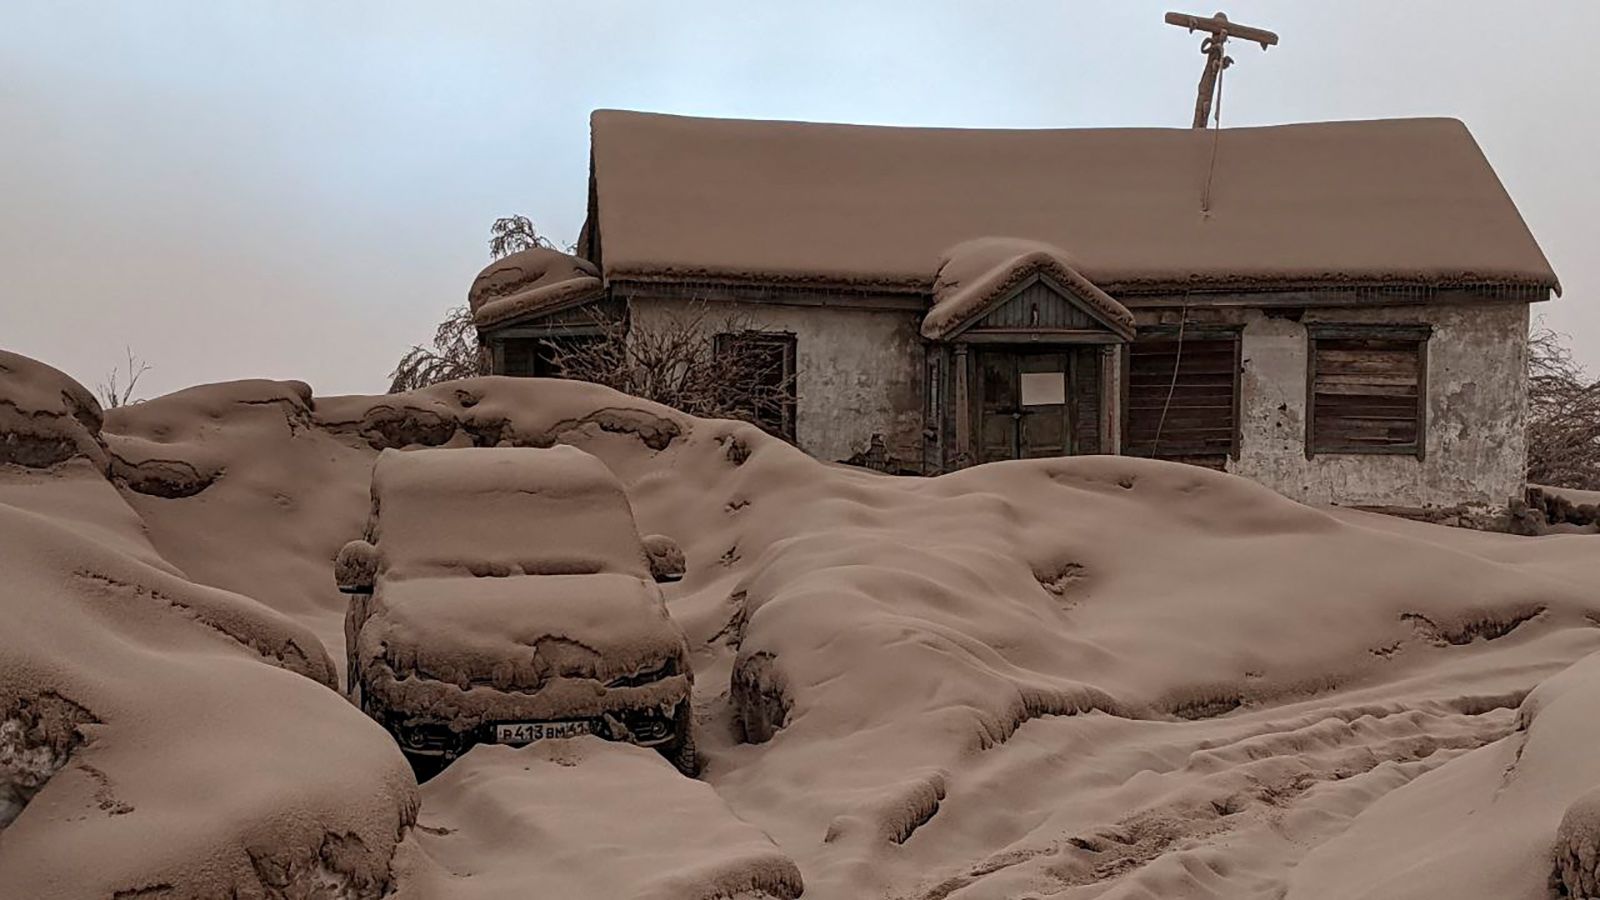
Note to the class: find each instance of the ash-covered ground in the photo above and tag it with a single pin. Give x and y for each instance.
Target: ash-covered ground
(1087, 677)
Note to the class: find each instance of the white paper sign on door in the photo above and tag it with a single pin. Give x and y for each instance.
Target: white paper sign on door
(1044, 388)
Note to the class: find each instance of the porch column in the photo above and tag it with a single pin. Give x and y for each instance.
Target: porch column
(497, 356)
(962, 410)
(1111, 398)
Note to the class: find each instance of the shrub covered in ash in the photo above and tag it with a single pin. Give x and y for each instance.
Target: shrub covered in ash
(1541, 509)
(1563, 415)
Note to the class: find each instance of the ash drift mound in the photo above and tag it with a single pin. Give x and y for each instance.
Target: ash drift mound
(158, 736)
(1093, 677)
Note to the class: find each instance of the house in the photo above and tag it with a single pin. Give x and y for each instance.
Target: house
(1337, 310)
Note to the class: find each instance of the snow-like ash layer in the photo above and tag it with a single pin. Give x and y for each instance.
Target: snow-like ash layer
(1091, 677)
(166, 737)
(1398, 200)
(666, 837)
(46, 418)
(1577, 862)
(36, 738)
(522, 648)
(446, 513)
(1500, 822)
(530, 281)
(975, 274)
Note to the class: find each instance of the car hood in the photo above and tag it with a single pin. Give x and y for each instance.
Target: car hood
(520, 633)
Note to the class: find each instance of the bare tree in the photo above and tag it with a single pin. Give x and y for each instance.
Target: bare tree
(1563, 415)
(117, 388)
(455, 353)
(725, 368)
(510, 234)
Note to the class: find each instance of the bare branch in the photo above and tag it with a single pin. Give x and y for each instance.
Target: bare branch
(1563, 415)
(455, 354)
(510, 234)
(678, 360)
(113, 395)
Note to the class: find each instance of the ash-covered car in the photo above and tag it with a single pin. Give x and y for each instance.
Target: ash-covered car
(504, 595)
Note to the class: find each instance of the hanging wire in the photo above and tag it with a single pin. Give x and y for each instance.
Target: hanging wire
(1172, 386)
(1216, 137)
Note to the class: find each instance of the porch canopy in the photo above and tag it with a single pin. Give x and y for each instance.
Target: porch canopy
(1001, 289)
(528, 283)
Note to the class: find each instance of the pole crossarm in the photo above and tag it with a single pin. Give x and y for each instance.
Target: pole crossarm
(1218, 29)
(1219, 25)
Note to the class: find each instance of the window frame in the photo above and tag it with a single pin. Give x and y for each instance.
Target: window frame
(1417, 333)
(789, 343)
(1233, 332)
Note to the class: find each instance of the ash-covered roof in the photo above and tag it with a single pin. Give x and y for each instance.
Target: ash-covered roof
(1398, 201)
(530, 281)
(974, 275)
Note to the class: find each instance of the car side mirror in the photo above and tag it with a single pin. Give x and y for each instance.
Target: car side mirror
(356, 567)
(666, 558)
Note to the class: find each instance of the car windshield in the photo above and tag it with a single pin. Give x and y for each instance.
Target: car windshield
(503, 511)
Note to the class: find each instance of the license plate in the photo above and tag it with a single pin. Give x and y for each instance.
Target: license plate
(527, 732)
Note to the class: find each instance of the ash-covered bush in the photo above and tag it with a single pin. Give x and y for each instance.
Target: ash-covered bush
(1577, 850)
(36, 737)
(1563, 415)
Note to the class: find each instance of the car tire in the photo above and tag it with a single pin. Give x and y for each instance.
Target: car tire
(680, 751)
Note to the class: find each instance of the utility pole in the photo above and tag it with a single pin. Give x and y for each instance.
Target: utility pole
(1219, 29)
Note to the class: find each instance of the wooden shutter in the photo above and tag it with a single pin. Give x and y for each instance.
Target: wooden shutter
(1368, 389)
(1183, 396)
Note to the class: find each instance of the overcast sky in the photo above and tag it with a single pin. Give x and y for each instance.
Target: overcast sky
(299, 190)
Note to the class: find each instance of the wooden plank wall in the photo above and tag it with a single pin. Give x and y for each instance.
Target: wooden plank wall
(1054, 311)
(1367, 395)
(1201, 420)
(1085, 381)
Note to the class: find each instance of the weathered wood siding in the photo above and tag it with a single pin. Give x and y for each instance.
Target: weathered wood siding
(1367, 390)
(1182, 395)
(1084, 377)
(1038, 306)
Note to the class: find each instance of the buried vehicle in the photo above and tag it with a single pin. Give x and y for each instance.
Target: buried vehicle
(504, 595)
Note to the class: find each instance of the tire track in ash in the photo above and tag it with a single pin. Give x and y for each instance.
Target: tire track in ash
(1082, 807)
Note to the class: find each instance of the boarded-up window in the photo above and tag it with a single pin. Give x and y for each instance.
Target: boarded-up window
(1368, 389)
(1183, 395)
(763, 364)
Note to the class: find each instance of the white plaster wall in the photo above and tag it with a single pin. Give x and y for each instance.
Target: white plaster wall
(858, 372)
(1477, 408)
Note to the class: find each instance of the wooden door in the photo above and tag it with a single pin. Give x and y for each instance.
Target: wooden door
(1024, 405)
(998, 406)
(1043, 396)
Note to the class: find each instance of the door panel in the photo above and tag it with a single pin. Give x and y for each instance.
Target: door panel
(997, 398)
(1024, 405)
(1044, 408)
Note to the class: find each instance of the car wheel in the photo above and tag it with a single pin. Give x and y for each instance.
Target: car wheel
(680, 751)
